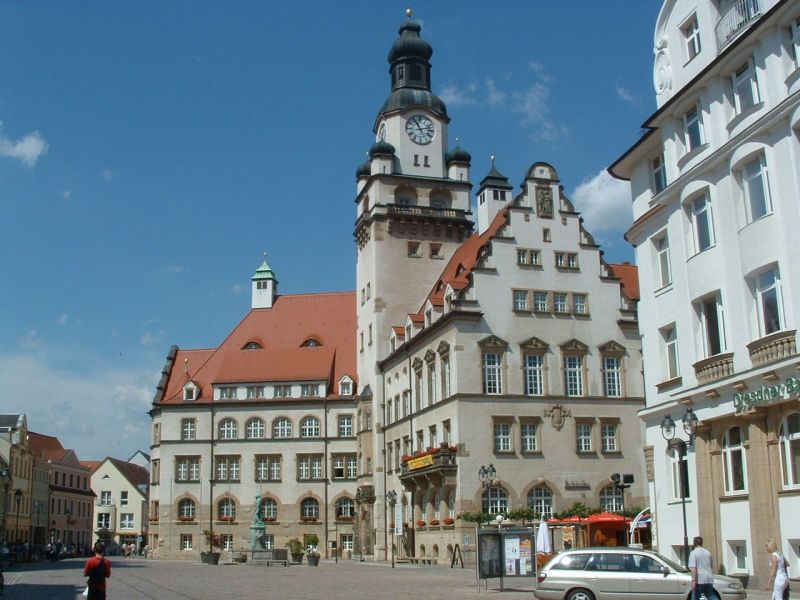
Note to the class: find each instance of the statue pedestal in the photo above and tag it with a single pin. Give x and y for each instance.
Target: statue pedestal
(257, 536)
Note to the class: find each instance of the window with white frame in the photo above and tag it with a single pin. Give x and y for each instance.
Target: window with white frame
(528, 436)
(282, 428)
(226, 509)
(583, 437)
(659, 174)
(694, 133)
(227, 468)
(789, 439)
(691, 36)
(186, 541)
(755, 187)
(612, 376)
(347, 541)
(608, 436)
(270, 509)
(345, 507)
(227, 429)
(345, 387)
(540, 302)
(126, 521)
(712, 324)
(268, 468)
(579, 304)
(679, 468)
(492, 375)
(534, 374)
(560, 302)
(769, 302)
(573, 375)
(745, 87)
(572, 260)
(105, 498)
(733, 461)
(187, 468)
(433, 384)
(227, 393)
(309, 427)
(502, 437)
(702, 223)
(103, 521)
(495, 501)
(520, 300)
(522, 257)
(255, 429)
(433, 437)
(540, 499)
(255, 391)
(661, 244)
(282, 391)
(445, 367)
(309, 467)
(669, 341)
(739, 551)
(309, 508)
(227, 541)
(345, 425)
(186, 509)
(188, 429)
(611, 499)
(310, 389)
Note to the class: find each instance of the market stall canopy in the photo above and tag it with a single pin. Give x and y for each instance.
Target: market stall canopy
(606, 517)
(570, 520)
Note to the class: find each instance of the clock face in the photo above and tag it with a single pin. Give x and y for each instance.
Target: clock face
(382, 132)
(420, 129)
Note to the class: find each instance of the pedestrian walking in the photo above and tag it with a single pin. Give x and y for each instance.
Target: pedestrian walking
(97, 569)
(778, 572)
(701, 564)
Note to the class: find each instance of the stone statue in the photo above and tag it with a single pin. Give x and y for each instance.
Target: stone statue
(259, 517)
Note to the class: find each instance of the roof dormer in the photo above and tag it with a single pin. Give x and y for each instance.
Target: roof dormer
(191, 391)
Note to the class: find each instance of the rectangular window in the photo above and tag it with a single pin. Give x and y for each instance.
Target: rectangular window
(540, 302)
(669, 339)
(745, 87)
(105, 498)
(664, 266)
(769, 302)
(502, 437)
(413, 249)
(126, 521)
(255, 391)
(445, 366)
(572, 261)
(522, 257)
(702, 224)
(347, 541)
(186, 541)
(520, 300)
(188, 429)
(283, 391)
(309, 467)
(227, 468)
(534, 374)
(693, 129)
(433, 438)
(187, 468)
(691, 34)
(104, 521)
(561, 260)
(308, 390)
(560, 302)
(756, 189)
(268, 468)
(659, 174)
(352, 467)
(579, 305)
(573, 375)
(227, 393)
(123, 498)
(583, 437)
(608, 433)
(345, 425)
(612, 377)
(227, 541)
(680, 474)
(713, 326)
(492, 377)
(529, 441)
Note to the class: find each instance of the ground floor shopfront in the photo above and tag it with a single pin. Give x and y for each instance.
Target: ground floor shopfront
(738, 479)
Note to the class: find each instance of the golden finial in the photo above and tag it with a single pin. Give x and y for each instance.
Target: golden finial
(492, 157)
(409, 12)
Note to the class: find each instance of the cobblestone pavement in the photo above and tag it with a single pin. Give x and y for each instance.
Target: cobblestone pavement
(140, 579)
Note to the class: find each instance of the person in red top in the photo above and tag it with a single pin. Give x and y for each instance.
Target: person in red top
(97, 569)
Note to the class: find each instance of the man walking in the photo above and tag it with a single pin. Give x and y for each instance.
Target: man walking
(97, 569)
(701, 564)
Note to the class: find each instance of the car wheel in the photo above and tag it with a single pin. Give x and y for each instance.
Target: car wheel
(580, 595)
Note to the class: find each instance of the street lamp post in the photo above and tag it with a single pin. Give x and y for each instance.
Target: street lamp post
(68, 513)
(17, 499)
(391, 498)
(689, 422)
(487, 477)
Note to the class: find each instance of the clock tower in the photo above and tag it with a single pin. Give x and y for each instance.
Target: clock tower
(412, 213)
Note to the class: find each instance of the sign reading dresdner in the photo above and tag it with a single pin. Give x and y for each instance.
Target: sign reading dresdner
(767, 393)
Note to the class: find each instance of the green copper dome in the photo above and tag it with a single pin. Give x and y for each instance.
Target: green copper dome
(264, 272)
(457, 154)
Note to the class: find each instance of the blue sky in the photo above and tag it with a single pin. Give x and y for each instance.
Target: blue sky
(150, 152)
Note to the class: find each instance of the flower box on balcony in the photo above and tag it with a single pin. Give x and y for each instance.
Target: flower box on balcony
(309, 519)
(420, 523)
(448, 521)
(344, 519)
(226, 519)
(270, 519)
(434, 522)
(185, 519)
(406, 458)
(153, 519)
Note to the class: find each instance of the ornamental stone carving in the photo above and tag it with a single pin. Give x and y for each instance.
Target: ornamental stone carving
(558, 415)
(662, 69)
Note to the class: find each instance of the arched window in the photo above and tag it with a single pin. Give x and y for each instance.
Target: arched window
(311, 343)
(186, 509)
(733, 461)
(495, 501)
(255, 429)
(345, 507)
(309, 427)
(540, 499)
(611, 498)
(309, 508)
(227, 429)
(282, 428)
(270, 509)
(226, 509)
(790, 449)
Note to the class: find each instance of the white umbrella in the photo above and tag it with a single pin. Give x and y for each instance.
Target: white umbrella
(543, 543)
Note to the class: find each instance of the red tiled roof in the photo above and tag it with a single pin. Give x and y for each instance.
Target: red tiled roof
(399, 330)
(41, 443)
(629, 276)
(330, 318)
(134, 473)
(92, 465)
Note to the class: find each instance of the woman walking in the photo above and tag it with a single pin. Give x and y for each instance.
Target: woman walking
(778, 574)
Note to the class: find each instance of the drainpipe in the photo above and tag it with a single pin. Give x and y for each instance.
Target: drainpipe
(327, 466)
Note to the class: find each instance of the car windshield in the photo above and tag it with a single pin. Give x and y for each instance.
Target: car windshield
(673, 565)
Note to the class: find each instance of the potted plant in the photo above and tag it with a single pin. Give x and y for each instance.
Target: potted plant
(214, 546)
(312, 554)
(295, 547)
(420, 523)
(448, 520)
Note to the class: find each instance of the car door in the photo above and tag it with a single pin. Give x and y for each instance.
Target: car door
(607, 574)
(649, 581)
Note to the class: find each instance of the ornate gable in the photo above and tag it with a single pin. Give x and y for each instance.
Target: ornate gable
(493, 341)
(575, 347)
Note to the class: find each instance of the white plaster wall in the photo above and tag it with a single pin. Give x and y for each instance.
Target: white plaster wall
(790, 532)
(735, 519)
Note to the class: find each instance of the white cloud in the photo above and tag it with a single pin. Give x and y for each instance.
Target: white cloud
(605, 204)
(236, 288)
(107, 175)
(64, 320)
(65, 194)
(494, 96)
(625, 95)
(453, 95)
(149, 338)
(30, 341)
(174, 269)
(99, 412)
(27, 149)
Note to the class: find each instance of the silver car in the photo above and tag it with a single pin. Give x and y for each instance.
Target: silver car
(622, 573)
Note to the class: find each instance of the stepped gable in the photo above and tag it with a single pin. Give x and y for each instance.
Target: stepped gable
(277, 335)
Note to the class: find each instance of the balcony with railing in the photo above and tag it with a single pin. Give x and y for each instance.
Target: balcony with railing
(740, 15)
(772, 348)
(713, 368)
(433, 467)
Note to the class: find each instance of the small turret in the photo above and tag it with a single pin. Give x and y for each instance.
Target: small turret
(265, 286)
(494, 193)
(458, 161)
